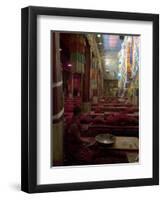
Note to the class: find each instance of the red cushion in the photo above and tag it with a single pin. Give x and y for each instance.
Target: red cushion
(98, 120)
(85, 119)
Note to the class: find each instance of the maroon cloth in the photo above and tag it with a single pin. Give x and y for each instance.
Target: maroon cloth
(99, 120)
(121, 119)
(75, 149)
(85, 119)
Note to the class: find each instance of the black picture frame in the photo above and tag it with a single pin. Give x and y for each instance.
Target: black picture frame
(29, 98)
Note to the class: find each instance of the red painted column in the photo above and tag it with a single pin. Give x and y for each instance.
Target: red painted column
(86, 79)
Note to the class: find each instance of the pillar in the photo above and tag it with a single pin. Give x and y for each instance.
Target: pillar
(57, 103)
(86, 80)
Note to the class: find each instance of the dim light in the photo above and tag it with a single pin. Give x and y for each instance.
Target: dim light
(69, 65)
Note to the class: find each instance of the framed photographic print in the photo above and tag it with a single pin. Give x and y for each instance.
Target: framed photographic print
(90, 99)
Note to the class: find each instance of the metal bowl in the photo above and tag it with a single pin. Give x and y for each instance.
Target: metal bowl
(105, 139)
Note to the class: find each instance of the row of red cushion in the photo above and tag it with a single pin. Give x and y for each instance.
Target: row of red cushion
(113, 119)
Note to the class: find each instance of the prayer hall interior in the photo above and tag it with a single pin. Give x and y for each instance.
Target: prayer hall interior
(95, 98)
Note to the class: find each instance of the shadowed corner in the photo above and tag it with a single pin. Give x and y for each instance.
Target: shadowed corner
(15, 186)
